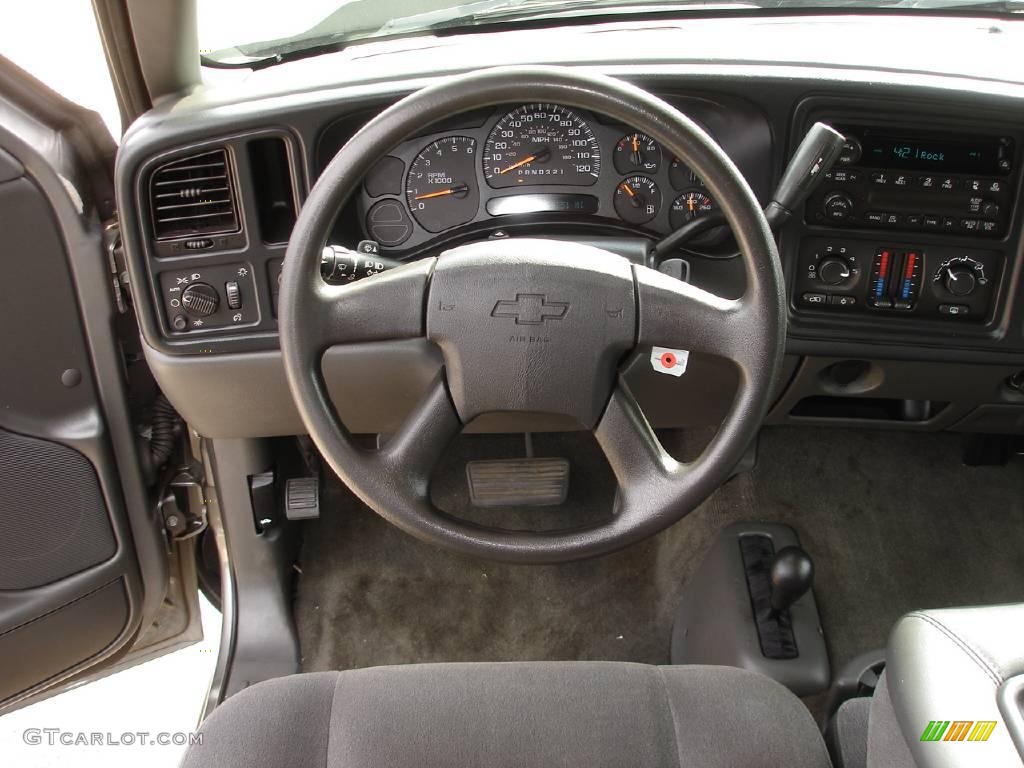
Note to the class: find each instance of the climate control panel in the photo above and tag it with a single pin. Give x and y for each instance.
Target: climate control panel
(893, 279)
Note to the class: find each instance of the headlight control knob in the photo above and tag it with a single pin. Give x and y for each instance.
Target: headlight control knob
(200, 300)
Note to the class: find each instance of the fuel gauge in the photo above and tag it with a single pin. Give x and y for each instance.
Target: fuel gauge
(637, 199)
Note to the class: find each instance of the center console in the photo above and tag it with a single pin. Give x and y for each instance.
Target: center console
(911, 222)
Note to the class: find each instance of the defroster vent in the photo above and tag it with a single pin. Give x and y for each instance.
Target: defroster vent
(193, 196)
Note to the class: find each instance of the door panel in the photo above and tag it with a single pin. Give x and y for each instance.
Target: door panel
(83, 561)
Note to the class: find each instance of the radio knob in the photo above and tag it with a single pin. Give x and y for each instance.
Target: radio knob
(838, 206)
(960, 281)
(833, 271)
(200, 300)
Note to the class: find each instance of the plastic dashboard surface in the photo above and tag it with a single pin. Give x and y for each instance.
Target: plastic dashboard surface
(757, 115)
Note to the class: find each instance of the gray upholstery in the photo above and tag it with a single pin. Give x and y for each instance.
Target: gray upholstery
(847, 734)
(951, 665)
(886, 744)
(521, 715)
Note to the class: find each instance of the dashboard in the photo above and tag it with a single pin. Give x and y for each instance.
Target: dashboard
(545, 164)
(903, 270)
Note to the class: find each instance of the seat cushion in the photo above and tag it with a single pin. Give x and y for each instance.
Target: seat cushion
(520, 715)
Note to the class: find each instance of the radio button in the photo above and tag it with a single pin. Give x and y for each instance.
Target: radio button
(893, 219)
(874, 217)
(850, 152)
(843, 176)
(948, 222)
(927, 182)
(949, 184)
(931, 221)
(989, 227)
(901, 181)
(989, 186)
(880, 178)
(969, 225)
(913, 220)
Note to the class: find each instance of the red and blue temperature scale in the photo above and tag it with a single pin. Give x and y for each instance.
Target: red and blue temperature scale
(899, 292)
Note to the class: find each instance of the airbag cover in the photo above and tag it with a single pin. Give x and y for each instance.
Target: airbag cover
(532, 325)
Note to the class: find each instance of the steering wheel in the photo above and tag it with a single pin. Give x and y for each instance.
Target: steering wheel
(557, 350)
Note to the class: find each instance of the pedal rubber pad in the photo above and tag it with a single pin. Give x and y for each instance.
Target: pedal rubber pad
(302, 498)
(518, 482)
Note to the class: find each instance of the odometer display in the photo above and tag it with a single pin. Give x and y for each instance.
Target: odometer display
(541, 144)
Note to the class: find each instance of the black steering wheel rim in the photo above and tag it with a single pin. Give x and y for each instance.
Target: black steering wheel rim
(654, 490)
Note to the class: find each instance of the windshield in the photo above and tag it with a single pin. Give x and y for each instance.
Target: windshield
(256, 33)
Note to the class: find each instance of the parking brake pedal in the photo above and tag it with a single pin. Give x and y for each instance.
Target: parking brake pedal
(302, 498)
(525, 482)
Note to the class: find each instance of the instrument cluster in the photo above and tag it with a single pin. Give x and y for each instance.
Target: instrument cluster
(532, 163)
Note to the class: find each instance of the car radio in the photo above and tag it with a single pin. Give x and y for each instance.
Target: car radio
(919, 182)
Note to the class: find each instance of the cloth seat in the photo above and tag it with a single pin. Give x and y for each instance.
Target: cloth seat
(513, 715)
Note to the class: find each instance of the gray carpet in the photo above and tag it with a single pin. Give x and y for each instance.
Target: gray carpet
(894, 522)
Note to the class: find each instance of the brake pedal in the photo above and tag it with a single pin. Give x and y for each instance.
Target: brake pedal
(518, 482)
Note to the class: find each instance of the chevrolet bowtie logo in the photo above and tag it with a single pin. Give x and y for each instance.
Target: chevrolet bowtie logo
(530, 309)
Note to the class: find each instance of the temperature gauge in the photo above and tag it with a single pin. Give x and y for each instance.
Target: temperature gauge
(637, 199)
(637, 152)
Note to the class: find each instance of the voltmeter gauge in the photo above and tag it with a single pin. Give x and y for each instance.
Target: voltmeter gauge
(637, 199)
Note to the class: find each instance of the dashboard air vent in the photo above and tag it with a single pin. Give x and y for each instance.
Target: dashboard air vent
(193, 196)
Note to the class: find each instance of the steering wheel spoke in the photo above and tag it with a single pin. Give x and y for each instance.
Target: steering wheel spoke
(384, 307)
(414, 451)
(633, 451)
(679, 315)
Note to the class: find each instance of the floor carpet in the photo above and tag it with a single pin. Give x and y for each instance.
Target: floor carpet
(894, 522)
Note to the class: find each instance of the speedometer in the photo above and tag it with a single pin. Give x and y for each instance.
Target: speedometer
(541, 144)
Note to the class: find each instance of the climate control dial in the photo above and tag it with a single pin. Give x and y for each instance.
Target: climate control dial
(833, 271)
(961, 276)
(960, 281)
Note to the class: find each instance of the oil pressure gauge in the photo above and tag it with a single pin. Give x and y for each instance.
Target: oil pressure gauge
(637, 152)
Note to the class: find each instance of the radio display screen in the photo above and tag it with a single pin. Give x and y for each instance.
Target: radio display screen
(980, 157)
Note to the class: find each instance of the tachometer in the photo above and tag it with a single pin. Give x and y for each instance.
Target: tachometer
(541, 144)
(441, 187)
